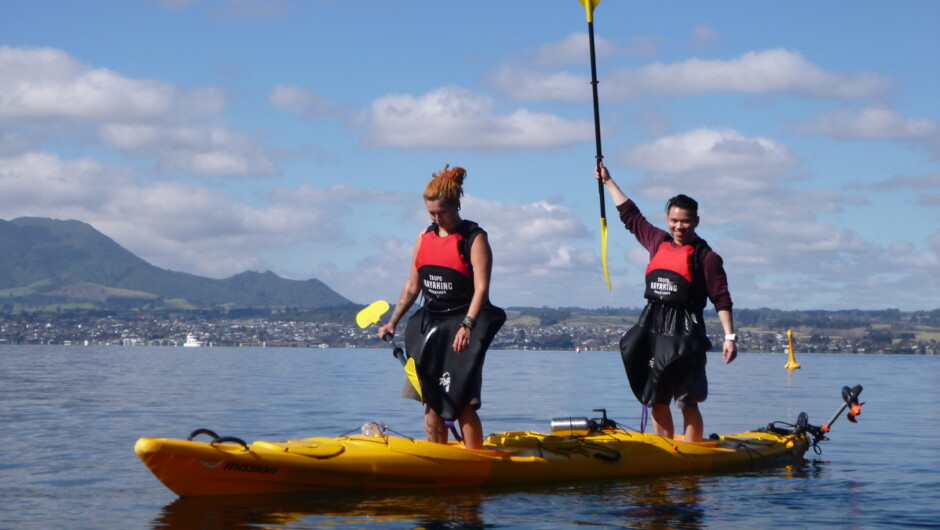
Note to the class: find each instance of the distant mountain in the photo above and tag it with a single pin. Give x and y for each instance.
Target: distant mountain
(47, 263)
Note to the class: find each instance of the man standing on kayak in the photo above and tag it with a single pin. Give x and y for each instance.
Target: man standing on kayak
(448, 336)
(664, 353)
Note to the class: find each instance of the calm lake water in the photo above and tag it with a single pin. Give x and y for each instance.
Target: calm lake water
(70, 416)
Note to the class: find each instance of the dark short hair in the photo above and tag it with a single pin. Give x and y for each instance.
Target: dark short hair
(685, 202)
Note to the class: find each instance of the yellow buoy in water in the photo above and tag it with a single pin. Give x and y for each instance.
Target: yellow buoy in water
(791, 363)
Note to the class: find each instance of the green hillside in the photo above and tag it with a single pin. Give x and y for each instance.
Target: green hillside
(49, 264)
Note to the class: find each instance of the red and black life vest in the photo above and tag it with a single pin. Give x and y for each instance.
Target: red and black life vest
(674, 275)
(444, 266)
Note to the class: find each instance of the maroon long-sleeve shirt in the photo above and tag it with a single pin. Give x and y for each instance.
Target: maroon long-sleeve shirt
(716, 281)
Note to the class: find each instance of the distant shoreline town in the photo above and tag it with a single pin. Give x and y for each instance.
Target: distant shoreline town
(886, 332)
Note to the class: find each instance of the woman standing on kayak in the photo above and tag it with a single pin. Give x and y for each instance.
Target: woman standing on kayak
(449, 335)
(664, 353)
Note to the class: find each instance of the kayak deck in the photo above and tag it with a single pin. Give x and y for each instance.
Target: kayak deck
(361, 462)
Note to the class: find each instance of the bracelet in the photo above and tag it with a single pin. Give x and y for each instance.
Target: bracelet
(468, 322)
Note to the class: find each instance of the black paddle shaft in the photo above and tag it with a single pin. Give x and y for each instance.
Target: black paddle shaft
(597, 118)
(396, 350)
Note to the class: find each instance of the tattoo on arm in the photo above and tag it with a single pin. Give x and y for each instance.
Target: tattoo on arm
(404, 303)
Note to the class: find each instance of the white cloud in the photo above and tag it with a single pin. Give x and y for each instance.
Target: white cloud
(176, 225)
(197, 150)
(41, 184)
(899, 182)
(458, 118)
(870, 123)
(705, 36)
(713, 152)
(376, 276)
(654, 123)
(530, 237)
(45, 91)
(924, 185)
(48, 84)
(796, 235)
(302, 102)
(905, 254)
(643, 46)
(575, 49)
(188, 228)
(14, 141)
(529, 85)
(929, 199)
(777, 71)
(934, 242)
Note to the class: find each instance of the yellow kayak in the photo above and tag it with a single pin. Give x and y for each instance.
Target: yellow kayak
(577, 448)
(382, 461)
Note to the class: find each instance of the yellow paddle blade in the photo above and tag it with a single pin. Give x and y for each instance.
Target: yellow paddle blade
(412, 372)
(604, 249)
(589, 6)
(371, 314)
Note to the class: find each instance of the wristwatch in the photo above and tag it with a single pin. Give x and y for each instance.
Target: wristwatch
(732, 337)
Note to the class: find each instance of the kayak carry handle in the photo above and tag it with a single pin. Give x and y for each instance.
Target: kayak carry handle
(197, 432)
(230, 439)
(216, 439)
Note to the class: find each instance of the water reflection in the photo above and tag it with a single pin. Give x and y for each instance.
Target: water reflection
(660, 503)
(428, 510)
(675, 501)
(654, 503)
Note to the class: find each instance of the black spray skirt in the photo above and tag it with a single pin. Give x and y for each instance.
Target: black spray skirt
(662, 335)
(450, 381)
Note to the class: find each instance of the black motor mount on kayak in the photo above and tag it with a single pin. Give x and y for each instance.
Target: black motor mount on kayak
(582, 426)
(849, 401)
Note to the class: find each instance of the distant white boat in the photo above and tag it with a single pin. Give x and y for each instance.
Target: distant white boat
(193, 342)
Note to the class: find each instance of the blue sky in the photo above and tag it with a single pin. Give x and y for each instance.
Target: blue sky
(214, 137)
